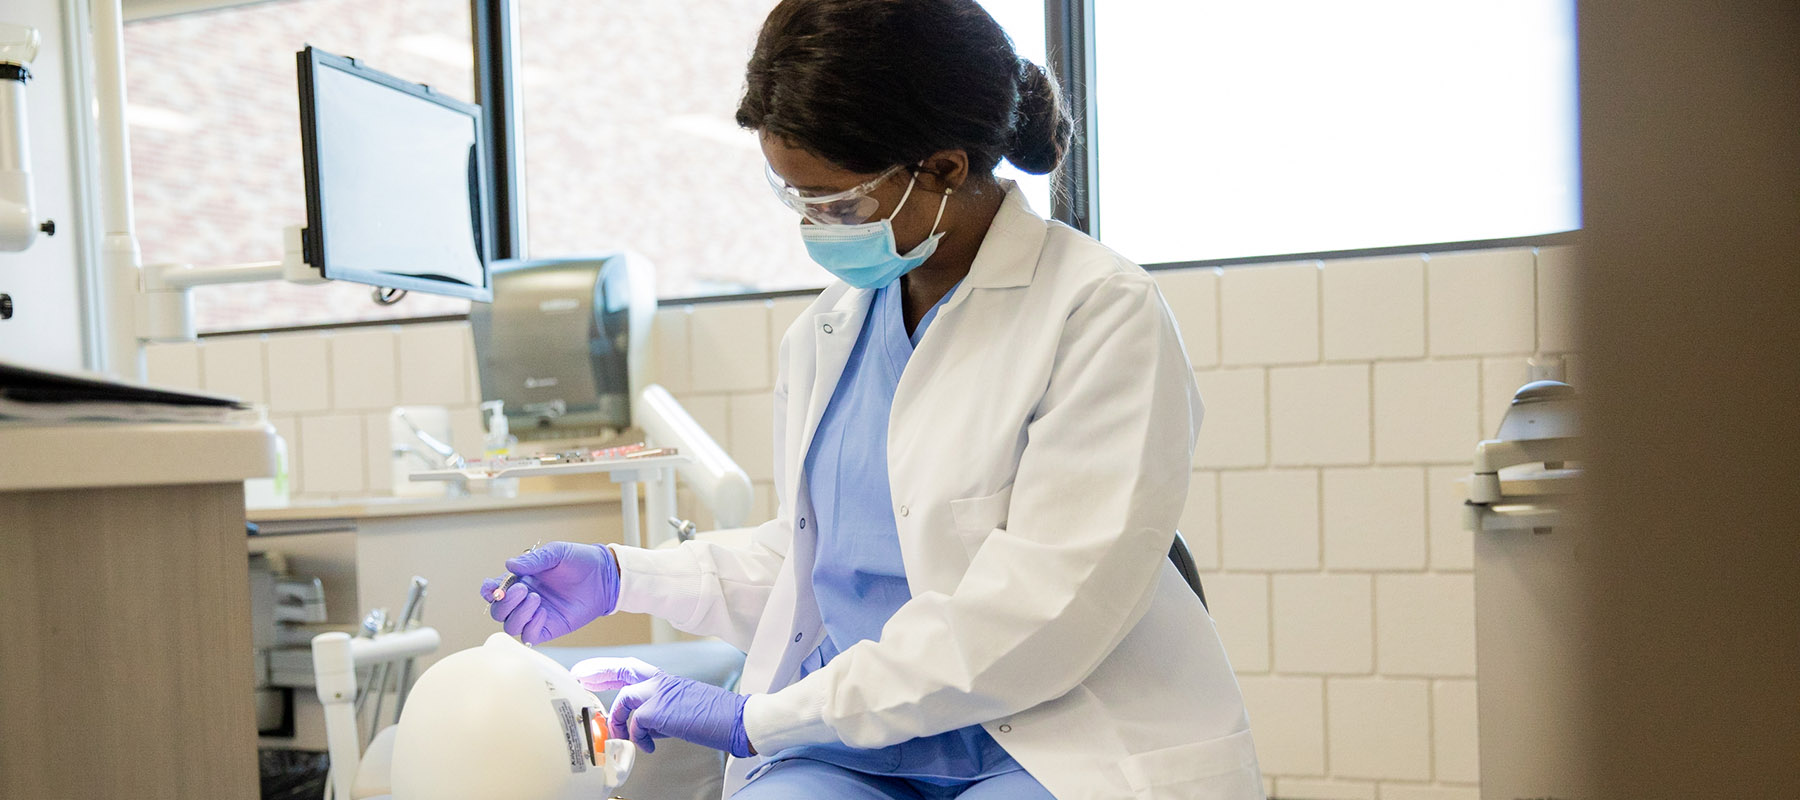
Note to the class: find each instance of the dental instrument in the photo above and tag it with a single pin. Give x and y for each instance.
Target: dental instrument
(509, 579)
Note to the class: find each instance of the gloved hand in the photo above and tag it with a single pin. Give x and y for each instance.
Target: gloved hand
(562, 586)
(653, 704)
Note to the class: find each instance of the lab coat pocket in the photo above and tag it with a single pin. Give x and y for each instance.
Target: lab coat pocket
(1216, 769)
(976, 517)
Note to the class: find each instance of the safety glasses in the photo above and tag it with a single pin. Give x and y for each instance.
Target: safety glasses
(851, 206)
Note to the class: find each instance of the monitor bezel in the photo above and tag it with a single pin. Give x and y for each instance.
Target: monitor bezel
(310, 61)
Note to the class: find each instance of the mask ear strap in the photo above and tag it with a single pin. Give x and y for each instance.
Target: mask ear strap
(908, 193)
(940, 215)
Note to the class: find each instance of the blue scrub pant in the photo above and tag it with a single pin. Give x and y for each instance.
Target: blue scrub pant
(802, 777)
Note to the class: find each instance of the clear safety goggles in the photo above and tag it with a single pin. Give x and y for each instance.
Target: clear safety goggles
(851, 206)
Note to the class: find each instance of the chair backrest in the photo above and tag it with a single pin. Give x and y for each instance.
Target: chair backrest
(1184, 564)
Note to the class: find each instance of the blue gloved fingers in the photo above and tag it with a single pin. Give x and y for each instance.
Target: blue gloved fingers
(536, 561)
(618, 720)
(606, 673)
(545, 624)
(502, 608)
(520, 617)
(641, 737)
(487, 589)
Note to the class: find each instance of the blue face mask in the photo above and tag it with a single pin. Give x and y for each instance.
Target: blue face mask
(866, 256)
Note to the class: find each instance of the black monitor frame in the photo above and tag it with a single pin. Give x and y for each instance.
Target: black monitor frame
(310, 62)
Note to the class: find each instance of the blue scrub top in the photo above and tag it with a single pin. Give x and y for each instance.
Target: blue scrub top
(858, 576)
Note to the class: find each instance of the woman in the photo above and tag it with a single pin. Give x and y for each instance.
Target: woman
(984, 429)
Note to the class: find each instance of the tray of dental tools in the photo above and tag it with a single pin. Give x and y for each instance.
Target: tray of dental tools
(625, 462)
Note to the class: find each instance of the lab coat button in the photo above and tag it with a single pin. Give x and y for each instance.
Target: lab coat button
(1006, 729)
(903, 511)
(797, 636)
(826, 327)
(802, 523)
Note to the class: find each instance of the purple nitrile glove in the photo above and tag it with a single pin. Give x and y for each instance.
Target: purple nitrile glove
(562, 586)
(653, 704)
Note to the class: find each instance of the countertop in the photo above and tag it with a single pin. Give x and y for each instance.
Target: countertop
(109, 454)
(412, 506)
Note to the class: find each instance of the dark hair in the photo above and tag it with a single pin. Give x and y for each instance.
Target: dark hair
(868, 84)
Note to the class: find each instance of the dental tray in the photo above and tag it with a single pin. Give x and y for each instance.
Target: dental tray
(630, 463)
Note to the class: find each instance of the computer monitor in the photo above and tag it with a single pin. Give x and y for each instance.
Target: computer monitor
(396, 181)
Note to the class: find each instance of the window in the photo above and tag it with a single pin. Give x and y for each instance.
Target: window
(1230, 129)
(1224, 131)
(631, 142)
(215, 139)
(1024, 22)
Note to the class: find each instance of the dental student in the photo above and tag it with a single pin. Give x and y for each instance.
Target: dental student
(983, 428)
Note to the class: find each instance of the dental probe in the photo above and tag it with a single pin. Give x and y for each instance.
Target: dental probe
(509, 579)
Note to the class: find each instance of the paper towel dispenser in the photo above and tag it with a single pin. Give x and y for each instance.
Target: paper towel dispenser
(564, 343)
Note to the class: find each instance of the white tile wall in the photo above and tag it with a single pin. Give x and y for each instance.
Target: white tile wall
(669, 350)
(1326, 789)
(377, 439)
(1375, 518)
(234, 366)
(1374, 308)
(1270, 520)
(434, 364)
(1453, 711)
(299, 374)
(728, 347)
(753, 434)
(782, 314)
(1319, 415)
(1379, 728)
(364, 369)
(1287, 715)
(1556, 299)
(1452, 546)
(1322, 624)
(1482, 303)
(1323, 571)
(1424, 624)
(467, 433)
(1240, 609)
(335, 460)
(1193, 297)
(1234, 430)
(1427, 411)
(175, 365)
(1199, 524)
(1269, 314)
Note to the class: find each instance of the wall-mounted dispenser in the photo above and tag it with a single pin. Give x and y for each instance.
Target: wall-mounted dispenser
(563, 344)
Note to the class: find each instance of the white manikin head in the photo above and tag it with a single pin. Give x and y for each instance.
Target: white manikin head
(502, 720)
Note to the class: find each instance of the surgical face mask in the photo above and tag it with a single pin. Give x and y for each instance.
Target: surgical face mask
(866, 256)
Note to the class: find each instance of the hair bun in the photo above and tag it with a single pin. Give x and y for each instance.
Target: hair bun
(1041, 125)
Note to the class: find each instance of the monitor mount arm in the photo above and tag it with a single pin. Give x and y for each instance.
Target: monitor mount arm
(165, 310)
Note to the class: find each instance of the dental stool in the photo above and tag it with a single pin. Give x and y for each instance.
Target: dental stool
(678, 770)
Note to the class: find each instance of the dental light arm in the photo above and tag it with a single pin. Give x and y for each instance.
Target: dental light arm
(718, 481)
(18, 222)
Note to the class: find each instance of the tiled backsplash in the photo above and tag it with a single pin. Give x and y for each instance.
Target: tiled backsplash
(1343, 400)
(329, 393)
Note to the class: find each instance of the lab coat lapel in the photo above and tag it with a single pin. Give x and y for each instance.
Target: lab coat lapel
(834, 336)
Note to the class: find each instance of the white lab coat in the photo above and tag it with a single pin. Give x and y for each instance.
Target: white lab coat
(1038, 455)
